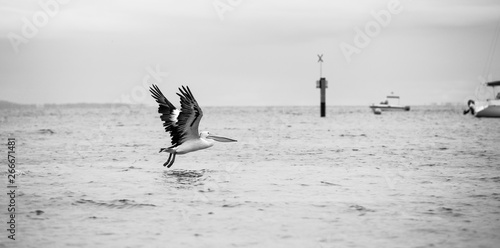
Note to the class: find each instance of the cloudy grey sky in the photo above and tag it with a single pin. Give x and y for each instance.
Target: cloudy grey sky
(247, 52)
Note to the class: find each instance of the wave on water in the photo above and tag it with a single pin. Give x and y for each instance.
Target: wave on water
(183, 178)
(119, 204)
(186, 173)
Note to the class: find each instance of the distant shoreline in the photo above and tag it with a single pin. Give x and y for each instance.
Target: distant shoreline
(7, 104)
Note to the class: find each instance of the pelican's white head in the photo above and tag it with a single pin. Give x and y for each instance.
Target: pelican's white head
(206, 135)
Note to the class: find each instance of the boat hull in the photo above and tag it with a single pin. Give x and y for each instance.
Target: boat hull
(390, 107)
(491, 111)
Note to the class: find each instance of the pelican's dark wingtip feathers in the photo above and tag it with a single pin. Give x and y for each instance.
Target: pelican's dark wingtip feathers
(168, 115)
(161, 99)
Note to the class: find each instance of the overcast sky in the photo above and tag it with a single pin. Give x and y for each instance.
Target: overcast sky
(247, 52)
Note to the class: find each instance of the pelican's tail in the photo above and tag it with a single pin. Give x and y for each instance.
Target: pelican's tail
(169, 150)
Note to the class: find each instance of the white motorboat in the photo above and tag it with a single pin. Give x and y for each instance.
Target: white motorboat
(487, 108)
(389, 105)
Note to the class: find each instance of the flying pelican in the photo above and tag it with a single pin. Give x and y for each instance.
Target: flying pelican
(183, 125)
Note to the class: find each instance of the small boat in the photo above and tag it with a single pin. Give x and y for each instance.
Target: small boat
(488, 108)
(389, 105)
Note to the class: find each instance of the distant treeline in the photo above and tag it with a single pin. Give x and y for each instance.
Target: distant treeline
(6, 104)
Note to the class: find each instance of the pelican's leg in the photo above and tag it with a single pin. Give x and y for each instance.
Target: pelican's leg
(171, 162)
(168, 161)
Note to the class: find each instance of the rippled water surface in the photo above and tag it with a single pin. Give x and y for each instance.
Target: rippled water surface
(93, 177)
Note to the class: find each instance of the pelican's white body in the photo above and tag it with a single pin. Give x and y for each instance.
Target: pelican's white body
(193, 145)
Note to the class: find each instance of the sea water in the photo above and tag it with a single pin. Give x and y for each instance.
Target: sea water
(91, 176)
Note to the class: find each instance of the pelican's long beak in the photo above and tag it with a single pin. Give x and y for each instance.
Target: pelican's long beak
(220, 139)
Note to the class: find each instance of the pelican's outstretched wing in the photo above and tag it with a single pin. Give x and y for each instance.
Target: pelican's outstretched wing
(190, 116)
(169, 115)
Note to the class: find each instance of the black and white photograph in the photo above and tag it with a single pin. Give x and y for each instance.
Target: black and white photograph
(250, 123)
